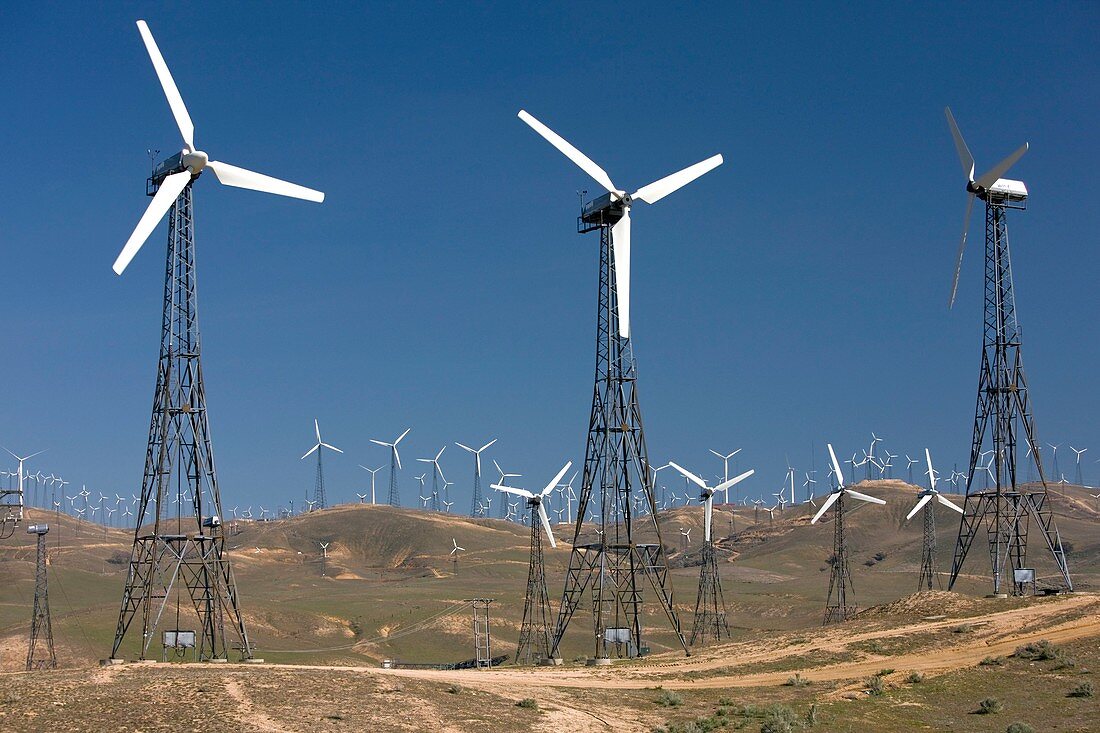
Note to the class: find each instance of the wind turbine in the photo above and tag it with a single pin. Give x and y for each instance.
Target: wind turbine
(501, 511)
(187, 165)
(1079, 453)
(620, 233)
(535, 501)
(372, 472)
(477, 507)
(454, 553)
(836, 494)
(319, 493)
(928, 553)
(395, 466)
(837, 607)
(710, 606)
(909, 463)
(437, 473)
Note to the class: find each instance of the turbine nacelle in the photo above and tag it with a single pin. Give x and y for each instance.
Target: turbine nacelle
(194, 161)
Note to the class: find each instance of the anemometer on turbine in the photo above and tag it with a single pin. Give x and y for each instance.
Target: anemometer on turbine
(182, 559)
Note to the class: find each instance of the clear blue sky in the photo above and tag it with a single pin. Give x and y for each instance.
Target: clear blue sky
(795, 295)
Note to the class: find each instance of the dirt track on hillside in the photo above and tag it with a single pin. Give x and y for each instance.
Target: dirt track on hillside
(561, 692)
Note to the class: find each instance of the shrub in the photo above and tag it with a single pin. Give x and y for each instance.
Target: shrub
(880, 556)
(1064, 661)
(1037, 651)
(884, 672)
(876, 686)
(915, 678)
(990, 705)
(1019, 727)
(726, 702)
(797, 681)
(992, 662)
(780, 719)
(454, 690)
(669, 699)
(528, 703)
(811, 715)
(1082, 690)
(962, 629)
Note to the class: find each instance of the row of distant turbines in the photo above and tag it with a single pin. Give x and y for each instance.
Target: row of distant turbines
(47, 491)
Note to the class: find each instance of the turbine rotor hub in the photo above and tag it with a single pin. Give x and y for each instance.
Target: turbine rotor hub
(194, 161)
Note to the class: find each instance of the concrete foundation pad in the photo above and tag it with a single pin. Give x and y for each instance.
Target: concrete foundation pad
(111, 662)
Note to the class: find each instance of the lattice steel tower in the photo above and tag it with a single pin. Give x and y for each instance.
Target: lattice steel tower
(180, 556)
(40, 653)
(710, 606)
(1003, 413)
(535, 631)
(839, 604)
(616, 463)
(928, 550)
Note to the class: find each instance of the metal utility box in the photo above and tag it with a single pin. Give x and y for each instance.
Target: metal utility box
(616, 635)
(179, 639)
(1023, 575)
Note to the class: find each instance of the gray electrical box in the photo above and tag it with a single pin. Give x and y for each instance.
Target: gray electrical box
(179, 639)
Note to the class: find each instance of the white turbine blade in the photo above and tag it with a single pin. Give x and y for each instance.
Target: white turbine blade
(379, 442)
(948, 503)
(512, 490)
(554, 481)
(828, 503)
(965, 158)
(931, 471)
(708, 510)
(962, 248)
(923, 500)
(396, 455)
(231, 175)
(865, 497)
(175, 101)
(546, 525)
(689, 475)
(332, 447)
(836, 466)
(402, 437)
(317, 429)
(657, 190)
(583, 161)
(620, 246)
(990, 177)
(307, 455)
(487, 444)
(466, 447)
(727, 485)
(169, 189)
